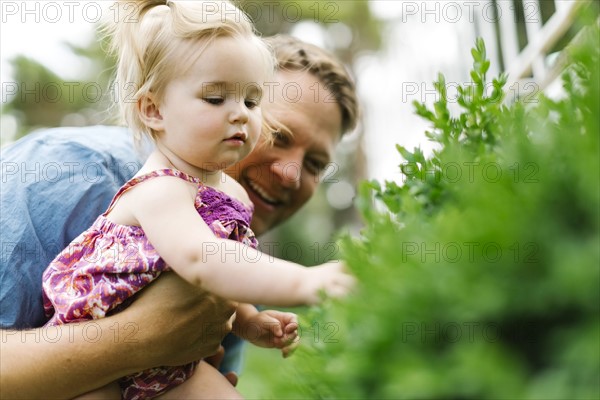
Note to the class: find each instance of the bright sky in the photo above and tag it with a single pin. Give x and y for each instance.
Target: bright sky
(38, 30)
(417, 46)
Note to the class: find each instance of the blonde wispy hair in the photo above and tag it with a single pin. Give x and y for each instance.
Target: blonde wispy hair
(157, 40)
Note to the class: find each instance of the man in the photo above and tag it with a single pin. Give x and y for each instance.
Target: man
(56, 182)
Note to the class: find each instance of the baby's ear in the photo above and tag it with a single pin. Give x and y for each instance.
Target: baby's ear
(150, 113)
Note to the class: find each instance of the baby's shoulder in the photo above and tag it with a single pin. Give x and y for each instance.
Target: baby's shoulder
(232, 188)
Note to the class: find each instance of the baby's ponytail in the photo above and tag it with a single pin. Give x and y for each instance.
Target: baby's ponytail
(122, 25)
(130, 30)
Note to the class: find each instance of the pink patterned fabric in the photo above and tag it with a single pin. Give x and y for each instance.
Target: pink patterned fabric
(100, 271)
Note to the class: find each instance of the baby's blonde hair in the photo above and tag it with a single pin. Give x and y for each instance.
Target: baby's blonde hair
(157, 40)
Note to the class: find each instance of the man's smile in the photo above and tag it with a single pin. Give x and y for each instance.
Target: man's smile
(260, 192)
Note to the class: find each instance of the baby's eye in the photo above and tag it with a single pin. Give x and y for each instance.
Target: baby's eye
(214, 100)
(251, 103)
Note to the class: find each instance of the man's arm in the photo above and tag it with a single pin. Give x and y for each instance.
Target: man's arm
(157, 329)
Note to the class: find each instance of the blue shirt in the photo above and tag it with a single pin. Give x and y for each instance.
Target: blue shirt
(54, 184)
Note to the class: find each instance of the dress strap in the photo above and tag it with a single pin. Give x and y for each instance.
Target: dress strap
(154, 174)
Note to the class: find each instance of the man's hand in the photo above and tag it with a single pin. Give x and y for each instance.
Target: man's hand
(170, 323)
(176, 322)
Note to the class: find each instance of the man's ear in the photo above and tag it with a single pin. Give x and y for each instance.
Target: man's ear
(150, 113)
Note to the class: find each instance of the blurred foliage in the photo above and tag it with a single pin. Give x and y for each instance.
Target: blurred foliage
(44, 99)
(479, 276)
(273, 17)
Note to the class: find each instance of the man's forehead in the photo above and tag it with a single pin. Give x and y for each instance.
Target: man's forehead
(293, 87)
(301, 103)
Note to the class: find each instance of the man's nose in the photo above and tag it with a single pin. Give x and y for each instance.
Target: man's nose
(288, 172)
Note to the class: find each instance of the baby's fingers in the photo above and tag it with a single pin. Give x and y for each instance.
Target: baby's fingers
(341, 285)
(290, 336)
(290, 348)
(291, 328)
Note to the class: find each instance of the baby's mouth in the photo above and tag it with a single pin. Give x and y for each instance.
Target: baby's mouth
(238, 137)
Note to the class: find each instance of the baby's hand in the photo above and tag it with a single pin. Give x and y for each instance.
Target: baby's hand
(273, 328)
(330, 278)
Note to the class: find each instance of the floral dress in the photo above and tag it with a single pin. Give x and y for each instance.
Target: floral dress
(104, 267)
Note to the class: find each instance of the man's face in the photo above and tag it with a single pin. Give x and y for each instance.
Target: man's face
(282, 177)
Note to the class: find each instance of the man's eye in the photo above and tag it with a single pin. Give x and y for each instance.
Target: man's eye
(315, 166)
(214, 100)
(280, 138)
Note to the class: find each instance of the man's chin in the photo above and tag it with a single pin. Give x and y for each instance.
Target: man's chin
(259, 221)
(259, 225)
(265, 213)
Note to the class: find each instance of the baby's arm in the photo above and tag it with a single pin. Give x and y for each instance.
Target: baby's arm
(268, 328)
(165, 210)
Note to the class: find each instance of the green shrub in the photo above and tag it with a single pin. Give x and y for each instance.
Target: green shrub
(480, 276)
